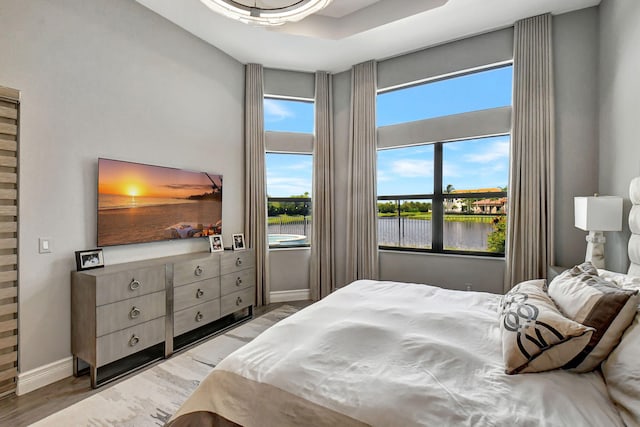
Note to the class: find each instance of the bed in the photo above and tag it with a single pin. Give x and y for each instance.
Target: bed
(398, 354)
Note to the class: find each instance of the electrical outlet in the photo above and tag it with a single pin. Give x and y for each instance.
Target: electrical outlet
(44, 245)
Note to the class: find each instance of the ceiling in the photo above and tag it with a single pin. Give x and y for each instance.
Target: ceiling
(351, 31)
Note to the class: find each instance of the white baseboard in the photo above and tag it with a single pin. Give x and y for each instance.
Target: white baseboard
(44, 375)
(285, 296)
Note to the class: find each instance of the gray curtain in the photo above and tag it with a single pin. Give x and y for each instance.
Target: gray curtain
(255, 185)
(362, 220)
(322, 279)
(530, 221)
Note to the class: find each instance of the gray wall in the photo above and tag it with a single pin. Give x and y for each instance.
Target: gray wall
(459, 272)
(575, 46)
(619, 100)
(106, 78)
(289, 269)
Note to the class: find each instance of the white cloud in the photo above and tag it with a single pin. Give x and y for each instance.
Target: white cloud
(428, 149)
(451, 170)
(410, 168)
(281, 186)
(498, 150)
(275, 111)
(383, 176)
(302, 165)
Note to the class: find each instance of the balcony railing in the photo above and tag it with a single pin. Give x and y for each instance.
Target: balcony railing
(289, 222)
(408, 224)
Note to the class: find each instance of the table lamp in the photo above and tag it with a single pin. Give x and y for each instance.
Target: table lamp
(597, 214)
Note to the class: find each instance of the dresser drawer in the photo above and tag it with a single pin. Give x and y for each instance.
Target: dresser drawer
(236, 301)
(196, 316)
(235, 261)
(194, 270)
(128, 341)
(195, 293)
(127, 284)
(123, 314)
(235, 281)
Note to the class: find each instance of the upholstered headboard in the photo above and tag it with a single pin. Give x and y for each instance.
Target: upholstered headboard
(634, 225)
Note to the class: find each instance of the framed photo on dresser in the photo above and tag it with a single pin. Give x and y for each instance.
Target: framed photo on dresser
(238, 242)
(91, 258)
(215, 243)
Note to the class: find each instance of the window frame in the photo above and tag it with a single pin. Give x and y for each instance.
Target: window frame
(437, 209)
(289, 200)
(444, 77)
(292, 99)
(438, 196)
(300, 137)
(437, 199)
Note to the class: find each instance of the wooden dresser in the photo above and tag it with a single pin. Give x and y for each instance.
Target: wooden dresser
(237, 281)
(196, 296)
(125, 316)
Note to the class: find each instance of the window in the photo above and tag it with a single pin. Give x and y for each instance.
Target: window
(289, 179)
(469, 92)
(288, 115)
(448, 196)
(289, 165)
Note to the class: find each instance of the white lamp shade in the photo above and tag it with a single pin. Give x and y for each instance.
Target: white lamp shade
(598, 213)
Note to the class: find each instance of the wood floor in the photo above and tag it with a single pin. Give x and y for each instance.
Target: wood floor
(18, 411)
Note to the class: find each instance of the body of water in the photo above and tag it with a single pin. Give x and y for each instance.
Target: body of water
(287, 240)
(115, 201)
(117, 226)
(412, 233)
(416, 233)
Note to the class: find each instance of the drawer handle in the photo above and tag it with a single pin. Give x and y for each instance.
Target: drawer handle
(134, 313)
(238, 281)
(135, 284)
(238, 261)
(133, 341)
(199, 317)
(238, 301)
(199, 293)
(198, 271)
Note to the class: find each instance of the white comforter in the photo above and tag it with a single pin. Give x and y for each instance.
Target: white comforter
(397, 354)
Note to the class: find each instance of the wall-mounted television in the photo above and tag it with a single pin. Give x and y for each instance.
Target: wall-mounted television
(140, 203)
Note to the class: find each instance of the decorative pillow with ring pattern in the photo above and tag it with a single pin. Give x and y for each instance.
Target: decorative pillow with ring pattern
(536, 337)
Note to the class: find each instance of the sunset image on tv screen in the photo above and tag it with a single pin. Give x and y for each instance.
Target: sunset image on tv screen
(143, 203)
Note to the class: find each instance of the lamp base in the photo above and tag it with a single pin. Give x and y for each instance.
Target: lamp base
(595, 248)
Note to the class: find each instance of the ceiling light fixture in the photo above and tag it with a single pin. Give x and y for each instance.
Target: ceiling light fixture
(266, 12)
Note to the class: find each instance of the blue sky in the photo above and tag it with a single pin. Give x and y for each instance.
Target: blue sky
(467, 165)
(470, 164)
(289, 174)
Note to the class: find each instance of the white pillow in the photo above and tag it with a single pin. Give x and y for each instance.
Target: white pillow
(621, 372)
(585, 297)
(621, 280)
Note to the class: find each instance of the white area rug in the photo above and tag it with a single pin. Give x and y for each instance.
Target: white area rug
(151, 397)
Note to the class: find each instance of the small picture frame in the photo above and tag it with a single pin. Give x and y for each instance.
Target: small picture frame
(238, 242)
(215, 243)
(91, 258)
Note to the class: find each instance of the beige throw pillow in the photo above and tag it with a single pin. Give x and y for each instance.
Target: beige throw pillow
(536, 337)
(589, 299)
(621, 372)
